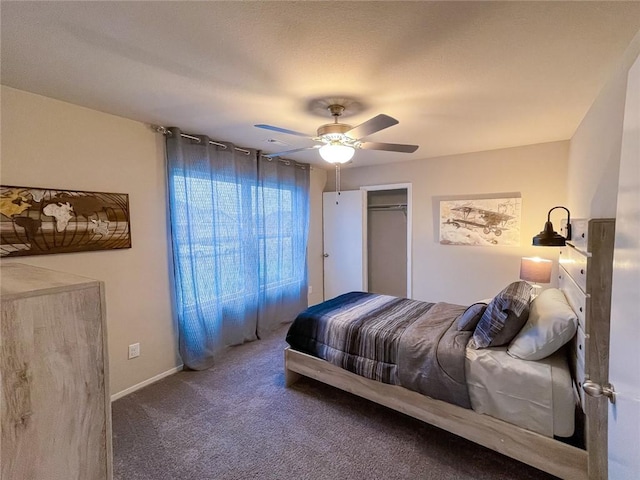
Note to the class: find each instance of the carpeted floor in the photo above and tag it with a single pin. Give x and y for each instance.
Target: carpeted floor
(238, 421)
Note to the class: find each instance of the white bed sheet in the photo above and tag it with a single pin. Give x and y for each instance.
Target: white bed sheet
(536, 395)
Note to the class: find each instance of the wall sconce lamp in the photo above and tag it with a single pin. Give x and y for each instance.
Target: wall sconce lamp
(550, 238)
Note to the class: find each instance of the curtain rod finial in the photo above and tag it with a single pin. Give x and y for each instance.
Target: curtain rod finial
(160, 129)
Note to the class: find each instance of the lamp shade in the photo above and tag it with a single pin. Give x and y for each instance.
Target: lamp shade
(549, 237)
(534, 269)
(337, 153)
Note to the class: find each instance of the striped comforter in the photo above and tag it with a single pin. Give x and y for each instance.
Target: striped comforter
(389, 339)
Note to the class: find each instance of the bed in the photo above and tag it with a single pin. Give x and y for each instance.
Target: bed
(414, 357)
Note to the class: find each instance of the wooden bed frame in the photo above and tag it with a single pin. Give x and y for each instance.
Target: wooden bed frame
(547, 454)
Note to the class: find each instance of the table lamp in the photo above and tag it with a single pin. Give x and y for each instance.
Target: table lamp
(535, 270)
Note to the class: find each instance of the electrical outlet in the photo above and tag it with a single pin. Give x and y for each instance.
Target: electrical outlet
(310, 290)
(134, 350)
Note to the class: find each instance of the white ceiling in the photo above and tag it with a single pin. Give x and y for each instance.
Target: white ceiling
(459, 76)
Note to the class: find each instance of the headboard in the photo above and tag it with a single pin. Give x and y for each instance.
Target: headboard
(585, 274)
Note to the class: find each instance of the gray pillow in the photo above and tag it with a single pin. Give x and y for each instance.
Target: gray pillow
(504, 316)
(471, 316)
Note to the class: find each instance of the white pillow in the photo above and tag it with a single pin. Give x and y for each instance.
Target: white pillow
(551, 324)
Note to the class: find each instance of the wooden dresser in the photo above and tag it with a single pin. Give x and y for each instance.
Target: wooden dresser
(55, 410)
(585, 275)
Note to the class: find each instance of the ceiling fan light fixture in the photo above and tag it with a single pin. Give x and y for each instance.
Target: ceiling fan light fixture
(341, 140)
(336, 153)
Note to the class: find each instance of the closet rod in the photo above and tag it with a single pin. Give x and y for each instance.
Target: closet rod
(388, 206)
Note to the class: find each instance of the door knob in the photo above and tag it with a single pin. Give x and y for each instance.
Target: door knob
(325, 255)
(594, 389)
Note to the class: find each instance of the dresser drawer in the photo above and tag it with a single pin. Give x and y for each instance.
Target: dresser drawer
(579, 233)
(577, 362)
(575, 296)
(580, 376)
(575, 263)
(579, 346)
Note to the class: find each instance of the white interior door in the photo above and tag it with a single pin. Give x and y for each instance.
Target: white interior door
(343, 242)
(624, 361)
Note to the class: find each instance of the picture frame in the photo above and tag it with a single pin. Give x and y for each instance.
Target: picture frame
(480, 220)
(39, 221)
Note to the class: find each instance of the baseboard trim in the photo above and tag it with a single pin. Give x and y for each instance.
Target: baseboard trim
(149, 381)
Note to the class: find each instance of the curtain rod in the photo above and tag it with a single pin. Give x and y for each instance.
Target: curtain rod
(166, 131)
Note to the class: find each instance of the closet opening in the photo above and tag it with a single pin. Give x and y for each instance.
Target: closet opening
(388, 240)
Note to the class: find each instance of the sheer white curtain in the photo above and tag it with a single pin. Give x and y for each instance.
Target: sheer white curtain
(239, 237)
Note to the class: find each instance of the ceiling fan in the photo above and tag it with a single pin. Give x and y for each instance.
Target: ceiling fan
(338, 141)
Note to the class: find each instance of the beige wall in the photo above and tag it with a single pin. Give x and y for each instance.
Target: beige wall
(48, 143)
(594, 153)
(462, 274)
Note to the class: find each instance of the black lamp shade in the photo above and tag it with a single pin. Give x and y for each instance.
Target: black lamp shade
(549, 238)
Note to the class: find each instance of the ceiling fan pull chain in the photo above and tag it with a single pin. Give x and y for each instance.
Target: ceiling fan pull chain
(337, 182)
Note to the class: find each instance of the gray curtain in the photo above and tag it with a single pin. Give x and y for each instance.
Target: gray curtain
(239, 237)
(283, 223)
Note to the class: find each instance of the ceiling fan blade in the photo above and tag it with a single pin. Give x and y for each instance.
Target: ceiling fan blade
(389, 147)
(283, 130)
(373, 125)
(287, 152)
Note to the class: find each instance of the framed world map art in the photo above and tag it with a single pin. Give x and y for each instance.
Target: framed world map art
(38, 221)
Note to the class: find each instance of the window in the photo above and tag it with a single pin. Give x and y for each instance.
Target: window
(246, 222)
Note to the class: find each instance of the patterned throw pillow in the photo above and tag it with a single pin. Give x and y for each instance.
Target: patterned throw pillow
(504, 316)
(471, 316)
